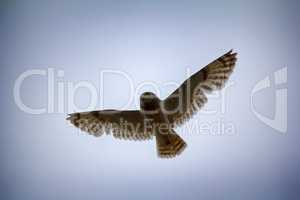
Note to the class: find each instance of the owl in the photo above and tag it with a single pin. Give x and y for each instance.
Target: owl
(159, 118)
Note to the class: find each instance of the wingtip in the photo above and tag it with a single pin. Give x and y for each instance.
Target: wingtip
(70, 116)
(233, 52)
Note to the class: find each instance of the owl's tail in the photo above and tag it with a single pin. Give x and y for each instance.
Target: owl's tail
(169, 145)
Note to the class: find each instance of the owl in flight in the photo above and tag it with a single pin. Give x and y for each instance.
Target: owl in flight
(158, 118)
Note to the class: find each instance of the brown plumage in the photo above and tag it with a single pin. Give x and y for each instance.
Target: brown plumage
(157, 118)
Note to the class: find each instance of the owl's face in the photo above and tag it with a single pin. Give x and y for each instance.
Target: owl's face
(149, 102)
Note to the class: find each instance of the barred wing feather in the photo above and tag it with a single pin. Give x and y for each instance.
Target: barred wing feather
(190, 97)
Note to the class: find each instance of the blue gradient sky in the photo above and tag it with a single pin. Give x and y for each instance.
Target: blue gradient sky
(43, 157)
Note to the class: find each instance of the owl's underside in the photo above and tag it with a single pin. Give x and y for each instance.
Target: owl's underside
(158, 118)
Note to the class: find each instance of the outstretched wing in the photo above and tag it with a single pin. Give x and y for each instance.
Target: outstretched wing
(191, 95)
(122, 124)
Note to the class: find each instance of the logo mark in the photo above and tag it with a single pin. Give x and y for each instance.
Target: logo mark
(279, 122)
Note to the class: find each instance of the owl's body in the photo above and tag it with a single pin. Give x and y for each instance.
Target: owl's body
(158, 118)
(168, 142)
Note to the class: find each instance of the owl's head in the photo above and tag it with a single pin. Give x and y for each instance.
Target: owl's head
(149, 102)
